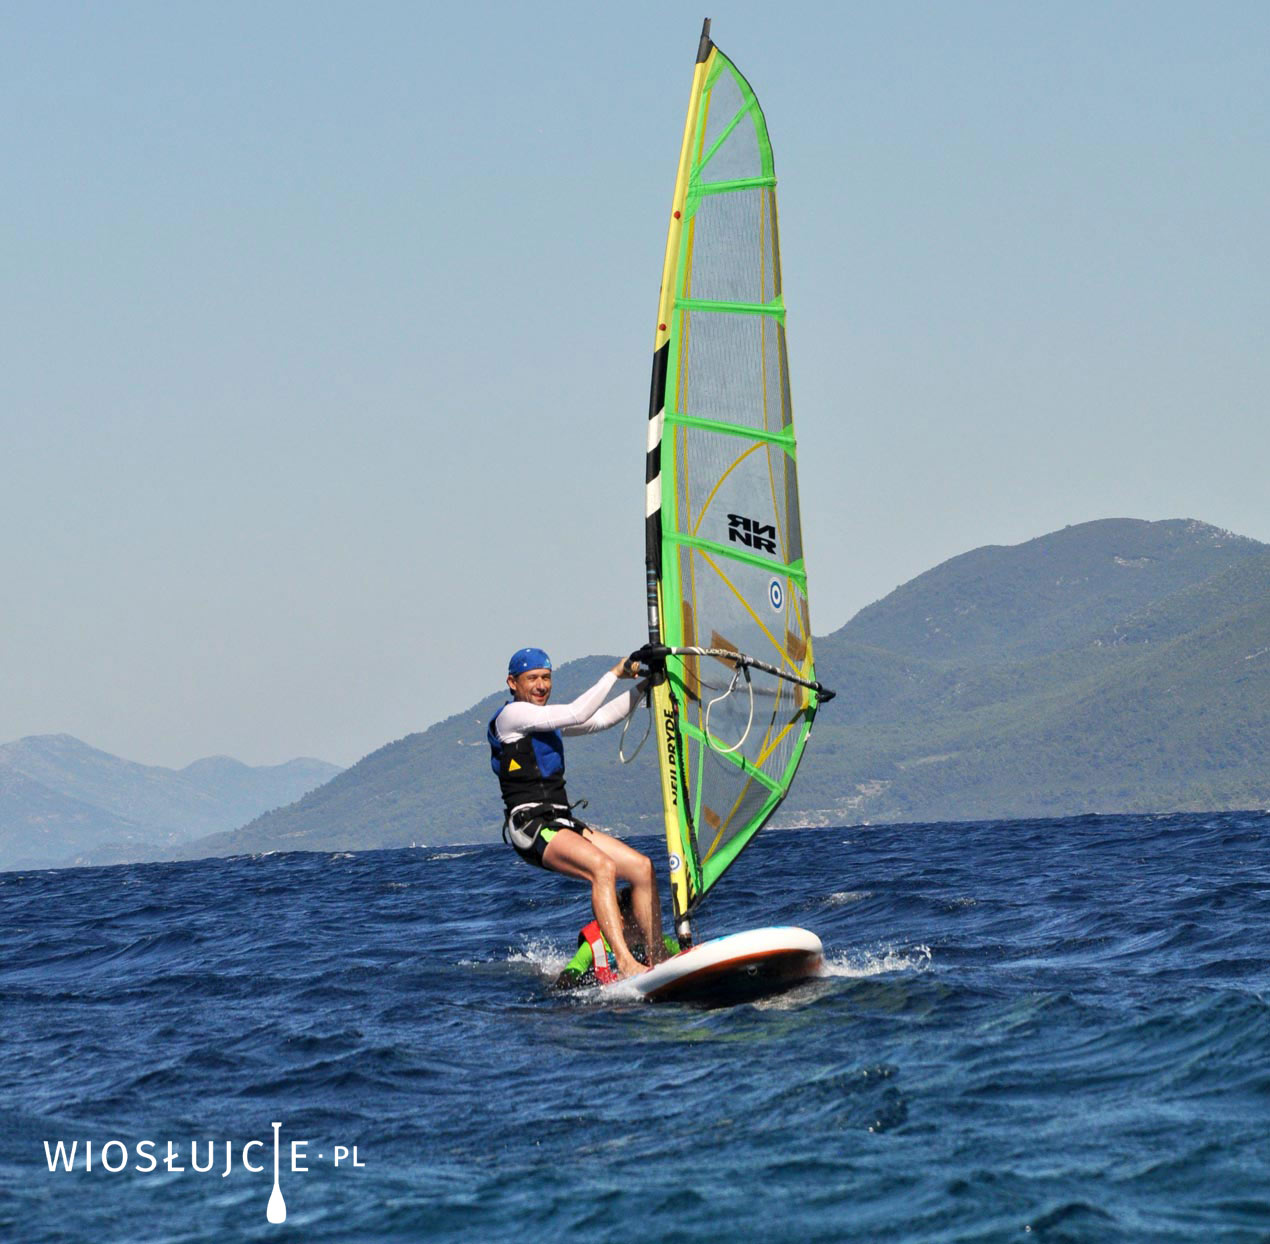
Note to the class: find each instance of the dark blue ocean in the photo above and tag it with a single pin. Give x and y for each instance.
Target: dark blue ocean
(1054, 1030)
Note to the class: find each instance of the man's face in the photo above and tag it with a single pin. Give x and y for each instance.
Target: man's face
(533, 686)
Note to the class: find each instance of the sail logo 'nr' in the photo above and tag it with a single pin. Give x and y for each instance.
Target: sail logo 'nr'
(751, 533)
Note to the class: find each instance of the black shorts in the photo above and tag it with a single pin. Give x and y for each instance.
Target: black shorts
(536, 832)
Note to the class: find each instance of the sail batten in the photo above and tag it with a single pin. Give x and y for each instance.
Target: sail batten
(783, 437)
(776, 308)
(710, 549)
(726, 187)
(725, 552)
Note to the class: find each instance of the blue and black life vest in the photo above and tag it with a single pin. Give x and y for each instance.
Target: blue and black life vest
(530, 770)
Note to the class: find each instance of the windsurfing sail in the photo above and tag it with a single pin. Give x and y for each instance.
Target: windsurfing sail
(727, 585)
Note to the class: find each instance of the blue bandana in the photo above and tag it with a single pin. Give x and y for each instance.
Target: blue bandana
(528, 659)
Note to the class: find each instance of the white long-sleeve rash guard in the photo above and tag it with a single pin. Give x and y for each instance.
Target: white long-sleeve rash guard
(585, 715)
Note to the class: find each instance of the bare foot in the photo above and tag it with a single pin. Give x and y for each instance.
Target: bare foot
(633, 968)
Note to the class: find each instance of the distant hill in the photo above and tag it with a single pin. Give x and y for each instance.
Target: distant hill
(1117, 665)
(1132, 673)
(64, 802)
(1045, 595)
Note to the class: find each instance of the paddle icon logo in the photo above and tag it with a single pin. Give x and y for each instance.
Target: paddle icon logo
(219, 1158)
(277, 1209)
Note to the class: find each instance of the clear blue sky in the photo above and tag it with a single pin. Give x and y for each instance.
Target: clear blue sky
(326, 328)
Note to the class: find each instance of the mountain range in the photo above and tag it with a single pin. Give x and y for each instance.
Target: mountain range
(63, 802)
(1113, 666)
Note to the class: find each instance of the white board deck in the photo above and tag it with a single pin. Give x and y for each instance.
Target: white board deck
(735, 968)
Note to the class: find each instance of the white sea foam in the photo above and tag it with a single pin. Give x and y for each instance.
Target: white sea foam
(858, 963)
(544, 956)
(840, 897)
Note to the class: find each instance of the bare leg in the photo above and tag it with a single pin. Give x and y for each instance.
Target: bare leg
(638, 869)
(572, 854)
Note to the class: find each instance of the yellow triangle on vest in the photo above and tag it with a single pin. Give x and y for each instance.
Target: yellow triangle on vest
(512, 767)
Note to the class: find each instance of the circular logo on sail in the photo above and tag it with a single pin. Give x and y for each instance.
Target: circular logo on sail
(674, 861)
(776, 595)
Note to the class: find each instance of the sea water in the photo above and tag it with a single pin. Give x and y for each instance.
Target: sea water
(1053, 1030)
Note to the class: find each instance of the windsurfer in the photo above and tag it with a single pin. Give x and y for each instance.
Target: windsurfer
(527, 755)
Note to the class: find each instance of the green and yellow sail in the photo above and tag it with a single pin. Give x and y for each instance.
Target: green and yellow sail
(724, 544)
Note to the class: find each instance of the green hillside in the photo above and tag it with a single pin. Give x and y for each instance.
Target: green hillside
(1114, 666)
(1164, 707)
(1046, 594)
